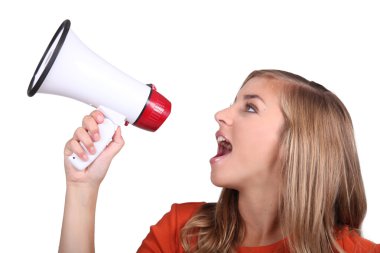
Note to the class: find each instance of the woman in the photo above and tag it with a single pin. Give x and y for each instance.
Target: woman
(289, 169)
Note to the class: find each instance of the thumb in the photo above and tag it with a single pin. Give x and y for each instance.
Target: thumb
(115, 145)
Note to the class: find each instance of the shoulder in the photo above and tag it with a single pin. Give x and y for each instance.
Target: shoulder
(182, 212)
(351, 241)
(173, 221)
(165, 235)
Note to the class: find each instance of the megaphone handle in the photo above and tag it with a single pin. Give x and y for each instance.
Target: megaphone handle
(106, 131)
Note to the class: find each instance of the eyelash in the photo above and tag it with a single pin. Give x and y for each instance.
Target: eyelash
(248, 108)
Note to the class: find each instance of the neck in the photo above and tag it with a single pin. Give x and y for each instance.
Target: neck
(259, 211)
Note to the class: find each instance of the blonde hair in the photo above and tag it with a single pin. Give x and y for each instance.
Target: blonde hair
(322, 189)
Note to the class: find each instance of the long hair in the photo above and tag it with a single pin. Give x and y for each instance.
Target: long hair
(322, 189)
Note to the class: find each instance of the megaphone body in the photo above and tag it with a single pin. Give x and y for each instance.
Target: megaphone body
(69, 68)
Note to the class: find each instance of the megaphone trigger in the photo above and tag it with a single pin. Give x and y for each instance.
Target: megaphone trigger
(112, 115)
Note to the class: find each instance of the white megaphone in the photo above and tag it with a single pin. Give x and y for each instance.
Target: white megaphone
(68, 68)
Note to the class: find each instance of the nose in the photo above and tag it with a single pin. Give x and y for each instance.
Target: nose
(224, 116)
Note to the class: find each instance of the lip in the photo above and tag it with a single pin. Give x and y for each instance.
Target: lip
(217, 158)
(220, 133)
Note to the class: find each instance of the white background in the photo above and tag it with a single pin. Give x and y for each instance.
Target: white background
(197, 53)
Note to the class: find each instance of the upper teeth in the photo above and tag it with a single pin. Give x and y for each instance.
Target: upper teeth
(220, 139)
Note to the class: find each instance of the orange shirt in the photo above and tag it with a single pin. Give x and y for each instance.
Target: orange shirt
(164, 237)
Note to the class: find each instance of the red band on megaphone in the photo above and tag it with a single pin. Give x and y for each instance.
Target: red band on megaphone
(156, 110)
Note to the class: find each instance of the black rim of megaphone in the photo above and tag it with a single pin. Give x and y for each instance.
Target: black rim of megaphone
(32, 89)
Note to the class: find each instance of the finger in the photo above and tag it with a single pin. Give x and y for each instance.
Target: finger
(81, 135)
(117, 143)
(90, 124)
(118, 138)
(73, 147)
(98, 116)
(68, 151)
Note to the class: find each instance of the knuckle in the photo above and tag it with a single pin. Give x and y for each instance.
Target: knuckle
(86, 120)
(78, 131)
(71, 144)
(97, 116)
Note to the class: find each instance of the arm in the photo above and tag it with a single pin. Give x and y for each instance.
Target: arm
(77, 233)
(82, 187)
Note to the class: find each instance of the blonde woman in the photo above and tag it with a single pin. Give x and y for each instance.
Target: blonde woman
(288, 166)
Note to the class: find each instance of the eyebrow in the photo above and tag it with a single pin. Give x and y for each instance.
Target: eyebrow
(252, 96)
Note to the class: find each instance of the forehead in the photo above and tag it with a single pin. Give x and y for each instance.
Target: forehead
(267, 88)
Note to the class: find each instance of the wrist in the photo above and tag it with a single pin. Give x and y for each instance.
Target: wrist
(82, 186)
(83, 194)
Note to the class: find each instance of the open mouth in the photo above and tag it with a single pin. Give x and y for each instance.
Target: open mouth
(224, 146)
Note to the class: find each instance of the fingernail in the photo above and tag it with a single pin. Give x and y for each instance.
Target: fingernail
(84, 157)
(96, 137)
(92, 150)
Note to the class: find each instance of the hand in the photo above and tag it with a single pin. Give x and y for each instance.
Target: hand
(87, 135)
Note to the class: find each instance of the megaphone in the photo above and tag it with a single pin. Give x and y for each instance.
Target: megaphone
(69, 68)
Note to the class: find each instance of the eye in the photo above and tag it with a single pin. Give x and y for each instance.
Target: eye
(250, 108)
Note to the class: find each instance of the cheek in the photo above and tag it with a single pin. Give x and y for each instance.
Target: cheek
(260, 146)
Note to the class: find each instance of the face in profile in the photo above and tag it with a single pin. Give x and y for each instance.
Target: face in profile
(249, 137)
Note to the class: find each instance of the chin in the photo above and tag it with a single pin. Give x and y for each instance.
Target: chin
(216, 181)
(221, 182)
